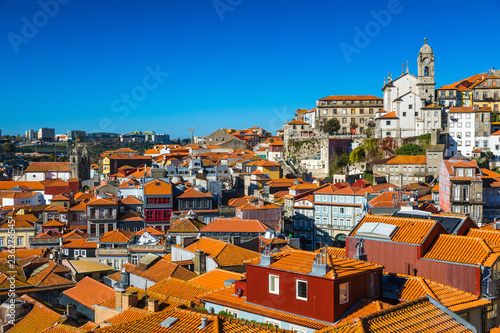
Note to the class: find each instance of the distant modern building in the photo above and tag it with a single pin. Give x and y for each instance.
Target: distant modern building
(46, 134)
(31, 135)
(74, 134)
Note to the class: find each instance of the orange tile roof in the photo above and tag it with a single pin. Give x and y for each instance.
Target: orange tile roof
(38, 319)
(80, 293)
(48, 166)
(350, 97)
(163, 269)
(214, 279)
(301, 262)
(61, 328)
(179, 289)
(17, 224)
(157, 187)
(334, 251)
(33, 185)
(235, 225)
(151, 231)
(97, 201)
(410, 230)
(329, 189)
(186, 225)
(165, 303)
(128, 315)
(117, 236)
(419, 315)
(390, 115)
(224, 254)
(61, 197)
(465, 250)
(455, 299)
(78, 243)
(131, 200)
(188, 321)
(54, 223)
(227, 298)
(193, 193)
(408, 159)
(361, 309)
(462, 109)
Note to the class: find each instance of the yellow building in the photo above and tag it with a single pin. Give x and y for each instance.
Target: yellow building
(259, 173)
(17, 232)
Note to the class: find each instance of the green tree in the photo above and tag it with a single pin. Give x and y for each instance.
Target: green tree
(410, 149)
(332, 126)
(357, 155)
(342, 162)
(8, 147)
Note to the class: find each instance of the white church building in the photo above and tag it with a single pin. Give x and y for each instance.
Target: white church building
(405, 98)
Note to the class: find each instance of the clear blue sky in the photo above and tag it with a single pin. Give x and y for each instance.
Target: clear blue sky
(230, 63)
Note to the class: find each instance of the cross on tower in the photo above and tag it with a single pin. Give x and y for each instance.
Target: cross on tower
(402, 68)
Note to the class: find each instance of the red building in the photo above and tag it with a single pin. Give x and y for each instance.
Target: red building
(311, 285)
(158, 204)
(57, 186)
(424, 247)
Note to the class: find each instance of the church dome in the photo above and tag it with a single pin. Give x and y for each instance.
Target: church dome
(426, 48)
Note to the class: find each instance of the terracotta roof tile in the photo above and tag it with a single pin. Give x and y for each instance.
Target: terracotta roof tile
(48, 166)
(117, 236)
(214, 279)
(158, 187)
(131, 200)
(179, 289)
(38, 319)
(193, 193)
(224, 254)
(163, 269)
(408, 159)
(465, 250)
(80, 293)
(420, 315)
(410, 230)
(350, 97)
(455, 299)
(235, 225)
(227, 298)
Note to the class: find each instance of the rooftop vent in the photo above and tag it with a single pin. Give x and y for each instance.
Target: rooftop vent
(169, 322)
(204, 322)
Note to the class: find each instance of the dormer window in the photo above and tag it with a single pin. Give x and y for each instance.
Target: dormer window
(274, 284)
(301, 290)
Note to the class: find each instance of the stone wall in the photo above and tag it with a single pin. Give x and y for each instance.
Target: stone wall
(302, 148)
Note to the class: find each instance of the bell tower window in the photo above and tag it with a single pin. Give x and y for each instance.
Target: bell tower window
(426, 71)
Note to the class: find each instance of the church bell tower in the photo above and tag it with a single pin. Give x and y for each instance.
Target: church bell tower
(426, 82)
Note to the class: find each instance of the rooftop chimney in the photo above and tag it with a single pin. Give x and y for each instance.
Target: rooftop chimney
(320, 264)
(71, 311)
(199, 262)
(118, 297)
(204, 321)
(153, 305)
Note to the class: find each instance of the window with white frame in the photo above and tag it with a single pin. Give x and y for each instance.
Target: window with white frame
(83, 253)
(77, 253)
(344, 293)
(301, 290)
(65, 252)
(274, 284)
(2, 241)
(273, 322)
(298, 329)
(20, 241)
(232, 312)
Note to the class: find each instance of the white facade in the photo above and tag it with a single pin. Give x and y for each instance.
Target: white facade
(23, 199)
(463, 136)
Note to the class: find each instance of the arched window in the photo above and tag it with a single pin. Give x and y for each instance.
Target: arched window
(426, 71)
(466, 192)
